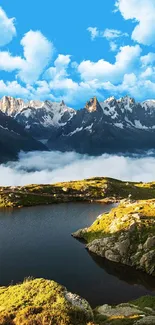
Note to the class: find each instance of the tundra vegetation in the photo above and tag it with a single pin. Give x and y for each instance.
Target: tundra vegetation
(105, 190)
(45, 302)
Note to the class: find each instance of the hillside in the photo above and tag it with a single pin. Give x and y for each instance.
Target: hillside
(101, 189)
(14, 138)
(104, 190)
(45, 302)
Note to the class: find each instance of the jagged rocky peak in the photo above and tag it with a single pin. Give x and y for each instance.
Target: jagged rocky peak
(150, 103)
(10, 105)
(34, 104)
(62, 103)
(111, 101)
(92, 105)
(127, 101)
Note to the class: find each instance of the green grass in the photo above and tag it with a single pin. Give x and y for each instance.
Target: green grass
(103, 227)
(146, 301)
(94, 189)
(42, 302)
(38, 302)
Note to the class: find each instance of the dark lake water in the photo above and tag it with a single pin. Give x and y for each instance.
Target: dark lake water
(37, 242)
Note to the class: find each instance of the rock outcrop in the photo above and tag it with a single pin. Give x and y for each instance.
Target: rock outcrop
(45, 302)
(126, 235)
(133, 313)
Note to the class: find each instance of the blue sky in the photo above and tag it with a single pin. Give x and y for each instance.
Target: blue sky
(74, 50)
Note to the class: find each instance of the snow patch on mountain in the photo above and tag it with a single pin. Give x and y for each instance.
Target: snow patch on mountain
(138, 125)
(76, 130)
(119, 125)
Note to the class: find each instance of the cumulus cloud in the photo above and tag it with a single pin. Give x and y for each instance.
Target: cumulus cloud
(37, 53)
(148, 59)
(13, 88)
(36, 76)
(10, 63)
(59, 71)
(126, 60)
(7, 28)
(51, 167)
(142, 12)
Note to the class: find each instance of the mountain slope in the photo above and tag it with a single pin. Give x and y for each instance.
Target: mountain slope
(14, 138)
(111, 126)
(37, 117)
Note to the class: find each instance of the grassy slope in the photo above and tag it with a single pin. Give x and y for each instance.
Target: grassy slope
(102, 189)
(38, 302)
(103, 226)
(42, 302)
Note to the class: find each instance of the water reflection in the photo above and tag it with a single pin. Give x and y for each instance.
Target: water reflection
(125, 273)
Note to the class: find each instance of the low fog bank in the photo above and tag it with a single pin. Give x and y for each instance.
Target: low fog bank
(51, 167)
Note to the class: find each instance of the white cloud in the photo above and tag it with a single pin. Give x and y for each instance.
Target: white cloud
(7, 28)
(148, 59)
(51, 167)
(10, 63)
(110, 34)
(113, 34)
(137, 86)
(131, 72)
(102, 71)
(13, 88)
(94, 32)
(57, 75)
(143, 13)
(37, 52)
(113, 46)
(59, 71)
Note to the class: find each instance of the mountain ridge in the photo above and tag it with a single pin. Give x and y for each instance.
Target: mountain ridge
(113, 125)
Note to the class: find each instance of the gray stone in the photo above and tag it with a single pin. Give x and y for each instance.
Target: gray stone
(112, 256)
(149, 320)
(120, 310)
(147, 261)
(79, 233)
(124, 247)
(150, 243)
(79, 302)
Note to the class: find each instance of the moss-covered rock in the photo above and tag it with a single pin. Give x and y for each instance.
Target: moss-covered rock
(42, 302)
(126, 235)
(138, 312)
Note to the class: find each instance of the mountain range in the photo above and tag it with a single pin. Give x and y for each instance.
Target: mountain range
(114, 125)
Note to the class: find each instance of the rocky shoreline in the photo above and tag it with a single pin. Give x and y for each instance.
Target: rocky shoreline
(125, 235)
